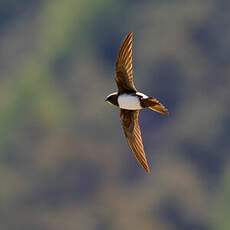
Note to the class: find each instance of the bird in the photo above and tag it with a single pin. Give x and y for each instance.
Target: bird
(130, 101)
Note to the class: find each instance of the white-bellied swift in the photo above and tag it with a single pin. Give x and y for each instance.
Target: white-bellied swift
(130, 101)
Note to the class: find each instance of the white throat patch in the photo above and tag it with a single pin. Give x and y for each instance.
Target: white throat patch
(129, 102)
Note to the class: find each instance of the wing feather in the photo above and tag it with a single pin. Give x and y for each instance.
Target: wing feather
(123, 68)
(129, 121)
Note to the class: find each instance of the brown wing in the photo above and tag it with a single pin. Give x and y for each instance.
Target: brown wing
(123, 68)
(129, 121)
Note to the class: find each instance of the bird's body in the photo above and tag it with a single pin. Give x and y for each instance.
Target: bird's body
(130, 101)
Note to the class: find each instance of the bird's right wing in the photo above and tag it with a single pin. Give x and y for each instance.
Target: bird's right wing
(129, 121)
(123, 68)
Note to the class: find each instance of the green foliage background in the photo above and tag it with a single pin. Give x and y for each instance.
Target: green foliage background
(64, 162)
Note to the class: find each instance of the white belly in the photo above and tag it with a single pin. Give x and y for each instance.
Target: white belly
(129, 102)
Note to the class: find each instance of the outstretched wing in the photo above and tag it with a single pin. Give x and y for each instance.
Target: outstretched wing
(123, 68)
(129, 121)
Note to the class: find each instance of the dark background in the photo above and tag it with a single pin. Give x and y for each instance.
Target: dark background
(64, 161)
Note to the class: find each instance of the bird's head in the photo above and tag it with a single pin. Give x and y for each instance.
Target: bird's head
(112, 99)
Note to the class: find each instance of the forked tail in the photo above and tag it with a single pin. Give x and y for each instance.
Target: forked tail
(153, 104)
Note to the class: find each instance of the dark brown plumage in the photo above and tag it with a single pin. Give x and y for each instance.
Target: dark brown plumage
(124, 67)
(129, 121)
(153, 104)
(131, 101)
(129, 118)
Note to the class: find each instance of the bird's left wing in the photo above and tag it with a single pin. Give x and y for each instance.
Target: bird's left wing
(124, 68)
(129, 121)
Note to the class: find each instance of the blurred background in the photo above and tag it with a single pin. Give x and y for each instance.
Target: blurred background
(64, 161)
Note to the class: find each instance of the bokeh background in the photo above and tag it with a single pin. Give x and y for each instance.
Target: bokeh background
(64, 161)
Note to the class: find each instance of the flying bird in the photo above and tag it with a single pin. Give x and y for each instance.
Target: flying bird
(130, 101)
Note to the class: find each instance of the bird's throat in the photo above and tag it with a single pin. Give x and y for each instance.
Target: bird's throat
(129, 102)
